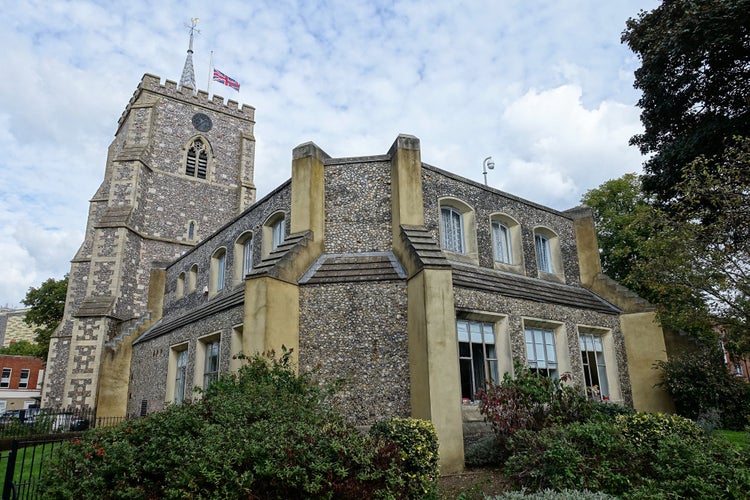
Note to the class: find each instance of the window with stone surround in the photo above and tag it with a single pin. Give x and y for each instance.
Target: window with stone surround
(458, 230)
(196, 159)
(218, 271)
(243, 256)
(477, 356)
(594, 366)
(177, 383)
(541, 351)
(193, 278)
(274, 232)
(207, 359)
(211, 364)
(548, 257)
(506, 242)
(180, 288)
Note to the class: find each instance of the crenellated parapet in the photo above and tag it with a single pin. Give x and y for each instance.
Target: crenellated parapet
(152, 83)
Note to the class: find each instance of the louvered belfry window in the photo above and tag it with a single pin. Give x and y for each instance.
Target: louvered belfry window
(197, 160)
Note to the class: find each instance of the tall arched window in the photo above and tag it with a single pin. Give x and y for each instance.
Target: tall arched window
(196, 164)
(243, 256)
(274, 232)
(452, 230)
(218, 271)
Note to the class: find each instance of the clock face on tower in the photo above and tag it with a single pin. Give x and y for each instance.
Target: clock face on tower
(202, 122)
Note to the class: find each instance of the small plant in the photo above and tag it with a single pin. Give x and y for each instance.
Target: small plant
(417, 441)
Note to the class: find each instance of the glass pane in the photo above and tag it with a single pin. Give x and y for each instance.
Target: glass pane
(466, 380)
(463, 331)
(464, 351)
(489, 334)
(494, 372)
(476, 332)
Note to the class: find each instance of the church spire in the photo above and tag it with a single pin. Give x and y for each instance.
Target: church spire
(188, 74)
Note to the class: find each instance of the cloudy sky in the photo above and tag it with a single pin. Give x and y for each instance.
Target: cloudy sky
(542, 86)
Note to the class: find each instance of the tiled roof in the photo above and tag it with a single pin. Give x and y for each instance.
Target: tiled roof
(523, 287)
(343, 268)
(282, 252)
(166, 325)
(421, 244)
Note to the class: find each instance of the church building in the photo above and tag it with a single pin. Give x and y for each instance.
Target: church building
(414, 285)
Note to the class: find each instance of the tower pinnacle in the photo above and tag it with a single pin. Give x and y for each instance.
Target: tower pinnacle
(188, 74)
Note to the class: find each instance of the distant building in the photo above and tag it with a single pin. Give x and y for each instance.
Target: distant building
(13, 327)
(20, 382)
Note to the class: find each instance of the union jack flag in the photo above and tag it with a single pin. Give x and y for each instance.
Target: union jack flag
(226, 80)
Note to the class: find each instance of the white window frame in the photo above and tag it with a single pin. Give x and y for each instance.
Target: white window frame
(502, 242)
(541, 351)
(478, 356)
(211, 360)
(180, 378)
(277, 233)
(247, 256)
(595, 375)
(543, 253)
(5, 379)
(23, 383)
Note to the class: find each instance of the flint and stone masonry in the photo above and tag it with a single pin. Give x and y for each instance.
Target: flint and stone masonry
(360, 287)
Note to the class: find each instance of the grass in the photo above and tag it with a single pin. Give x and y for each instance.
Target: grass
(740, 439)
(28, 464)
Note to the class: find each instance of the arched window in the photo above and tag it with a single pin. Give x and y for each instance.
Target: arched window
(196, 163)
(180, 290)
(243, 256)
(547, 248)
(452, 230)
(458, 230)
(191, 231)
(193, 278)
(274, 232)
(218, 271)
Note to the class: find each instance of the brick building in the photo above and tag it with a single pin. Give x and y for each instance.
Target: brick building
(20, 381)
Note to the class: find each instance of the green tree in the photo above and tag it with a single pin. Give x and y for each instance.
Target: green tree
(621, 214)
(46, 306)
(694, 74)
(24, 348)
(702, 249)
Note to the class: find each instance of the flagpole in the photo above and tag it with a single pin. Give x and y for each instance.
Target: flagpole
(210, 71)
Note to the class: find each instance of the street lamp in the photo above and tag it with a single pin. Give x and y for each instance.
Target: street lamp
(487, 163)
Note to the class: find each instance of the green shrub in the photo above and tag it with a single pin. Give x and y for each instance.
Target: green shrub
(553, 495)
(648, 429)
(636, 456)
(580, 455)
(262, 433)
(418, 443)
(700, 382)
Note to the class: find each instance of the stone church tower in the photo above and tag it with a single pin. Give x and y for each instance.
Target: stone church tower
(180, 166)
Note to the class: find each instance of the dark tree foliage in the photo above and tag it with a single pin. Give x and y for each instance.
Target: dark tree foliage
(695, 79)
(46, 307)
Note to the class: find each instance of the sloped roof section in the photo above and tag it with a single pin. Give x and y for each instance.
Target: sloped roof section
(423, 247)
(281, 255)
(354, 267)
(168, 324)
(523, 287)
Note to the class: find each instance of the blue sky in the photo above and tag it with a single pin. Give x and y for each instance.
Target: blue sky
(542, 86)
